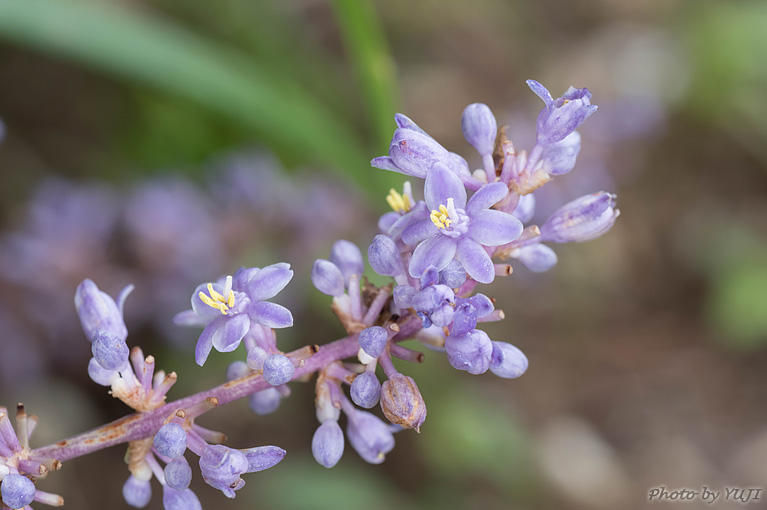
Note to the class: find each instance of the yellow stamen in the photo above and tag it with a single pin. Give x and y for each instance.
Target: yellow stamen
(441, 217)
(216, 300)
(400, 203)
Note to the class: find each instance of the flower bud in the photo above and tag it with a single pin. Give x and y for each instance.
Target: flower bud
(18, 491)
(136, 492)
(507, 361)
(348, 258)
(453, 275)
(178, 474)
(402, 403)
(170, 440)
(479, 128)
(328, 444)
(525, 208)
(403, 295)
(109, 350)
(97, 310)
(173, 499)
(327, 278)
(559, 158)
(101, 375)
(237, 369)
(369, 436)
(278, 369)
(414, 153)
(263, 457)
(373, 340)
(538, 258)
(256, 357)
(366, 390)
(470, 352)
(583, 219)
(563, 115)
(265, 401)
(221, 468)
(384, 256)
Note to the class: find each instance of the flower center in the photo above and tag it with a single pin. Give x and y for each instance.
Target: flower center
(400, 203)
(441, 217)
(219, 301)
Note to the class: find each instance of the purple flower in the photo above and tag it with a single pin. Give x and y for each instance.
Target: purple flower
(457, 229)
(228, 308)
(173, 499)
(109, 350)
(366, 390)
(467, 311)
(265, 401)
(583, 219)
(136, 492)
(373, 340)
(98, 311)
(328, 444)
(538, 258)
(170, 440)
(221, 468)
(507, 361)
(559, 158)
(435, 305)
(384, 256)
(563, 115)
(413, 152)
(178, 474)
(369, 436)
(278, 369)
(17, 491)
(327, 278)
(348, 258)
(479, 128)
(471, 352)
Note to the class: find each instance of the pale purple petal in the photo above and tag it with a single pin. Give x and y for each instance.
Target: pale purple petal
(404, 122)
(494, 228)
(228, 336)
(442, 184)
(385, 163)
(268, 282)
(540, 91)
(189, 318)
(271, 315)
(487, 196)
(475, 260)
(419, 231)
(263, 457)
(205, 342)
(205, 312)
(436, 251)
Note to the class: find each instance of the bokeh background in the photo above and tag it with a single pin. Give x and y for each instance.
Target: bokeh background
(165, 143)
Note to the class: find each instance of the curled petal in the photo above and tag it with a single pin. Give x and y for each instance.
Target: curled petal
(205, 342)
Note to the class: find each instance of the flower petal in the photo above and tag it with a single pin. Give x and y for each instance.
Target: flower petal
(228, 336)
(487, 196)
(205, 342)
(475, 260)
(419, 231)
(205, 312)
(268, 282)
(494, 228)
(436, 251)
(442, 184)
(271, 315)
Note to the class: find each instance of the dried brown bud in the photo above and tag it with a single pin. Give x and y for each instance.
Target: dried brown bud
(402, 403)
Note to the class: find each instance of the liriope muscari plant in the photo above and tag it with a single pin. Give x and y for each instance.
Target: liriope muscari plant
(437, 251)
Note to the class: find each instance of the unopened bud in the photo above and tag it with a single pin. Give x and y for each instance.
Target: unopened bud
(402, 403)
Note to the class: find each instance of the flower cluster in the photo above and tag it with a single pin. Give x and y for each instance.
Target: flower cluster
(437, 251)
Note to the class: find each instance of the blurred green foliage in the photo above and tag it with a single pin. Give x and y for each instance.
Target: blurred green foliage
(273, 103)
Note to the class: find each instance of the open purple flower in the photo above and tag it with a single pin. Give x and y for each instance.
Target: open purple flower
(229, 307)
(563, 115)
(457, 229)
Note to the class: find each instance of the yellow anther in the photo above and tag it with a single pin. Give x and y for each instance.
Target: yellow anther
(441, 217)
(400, 203)
(216, 300)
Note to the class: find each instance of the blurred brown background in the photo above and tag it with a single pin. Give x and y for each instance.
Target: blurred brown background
(647, 347)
